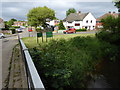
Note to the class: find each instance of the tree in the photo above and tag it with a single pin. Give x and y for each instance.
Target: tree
(11, 22)
(37, 16)
(61, 26)
(71, 10)
(117, 4)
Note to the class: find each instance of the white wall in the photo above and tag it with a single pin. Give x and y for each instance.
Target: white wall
(89, 25)
(83, 23)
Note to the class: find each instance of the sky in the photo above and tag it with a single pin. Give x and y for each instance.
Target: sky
(19, 9)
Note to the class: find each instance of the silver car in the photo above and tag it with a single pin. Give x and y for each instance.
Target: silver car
(2, 35)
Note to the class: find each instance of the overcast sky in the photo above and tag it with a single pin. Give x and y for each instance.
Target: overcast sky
(19, 9)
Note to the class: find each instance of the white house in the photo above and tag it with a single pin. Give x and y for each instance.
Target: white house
(80, 20)
(53, 22)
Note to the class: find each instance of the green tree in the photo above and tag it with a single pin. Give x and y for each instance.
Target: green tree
(11, 22)
(117, 4)
(61, 26)
(71, 10)
(37, 16)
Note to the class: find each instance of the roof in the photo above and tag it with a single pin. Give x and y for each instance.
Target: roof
(106, 15)
(1, 20)
(75, 17)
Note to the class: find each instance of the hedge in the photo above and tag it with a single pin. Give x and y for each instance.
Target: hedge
(13, 30)
(78, 30)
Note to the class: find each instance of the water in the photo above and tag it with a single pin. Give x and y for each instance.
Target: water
(108, 75)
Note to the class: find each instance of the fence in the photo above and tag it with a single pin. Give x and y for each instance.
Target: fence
(33, 79)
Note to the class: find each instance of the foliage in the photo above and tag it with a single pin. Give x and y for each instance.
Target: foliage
(117, 4)
(13, 30)
(67, 63)
(38, 29)
(11, 22)
(71, 10)
(15, 26)
(61, 26)
(37, 16)
(78, 30)
(111, 30)
(5, 28)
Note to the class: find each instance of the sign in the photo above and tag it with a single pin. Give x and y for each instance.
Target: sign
(39, 34)
(49, 34)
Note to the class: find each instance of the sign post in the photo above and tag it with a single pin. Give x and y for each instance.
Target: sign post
(39, 35)
(48, 34)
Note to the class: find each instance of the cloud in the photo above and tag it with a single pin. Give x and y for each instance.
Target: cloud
(56, 0)
(19, 10)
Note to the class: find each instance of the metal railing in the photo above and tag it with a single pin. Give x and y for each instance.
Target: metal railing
(33, 79)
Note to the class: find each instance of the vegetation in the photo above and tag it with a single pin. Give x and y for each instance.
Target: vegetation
(11, 22)
(71, 10)
(72, 62)
(37, 16)
(13, 30)
(117, 4)
(78, 30)
(61, 26)
(38, 29)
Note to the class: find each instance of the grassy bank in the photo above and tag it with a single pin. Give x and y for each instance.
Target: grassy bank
(32, 41)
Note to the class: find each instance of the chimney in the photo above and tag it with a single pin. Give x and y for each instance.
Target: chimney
(109, 12)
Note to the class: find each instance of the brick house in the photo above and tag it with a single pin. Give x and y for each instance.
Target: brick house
(98, 20)
(20, 23)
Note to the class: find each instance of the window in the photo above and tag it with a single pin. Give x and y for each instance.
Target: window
(77, 24)
(87, 21)
(91, 21)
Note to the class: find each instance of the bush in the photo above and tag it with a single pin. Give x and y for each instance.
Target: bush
(79, 30)
(64, 63)
(13, 30)
(5, 28)
(15, 27)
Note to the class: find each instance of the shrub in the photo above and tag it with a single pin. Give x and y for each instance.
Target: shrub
(15, 26)
(78, 30)
(5, 28)
(64, 63)
(13, 30)
(61, 26)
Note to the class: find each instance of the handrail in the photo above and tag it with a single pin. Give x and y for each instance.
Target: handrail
(34, 81)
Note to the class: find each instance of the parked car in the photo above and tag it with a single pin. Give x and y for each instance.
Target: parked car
(2, 35)
(70, 30)
(19, 30)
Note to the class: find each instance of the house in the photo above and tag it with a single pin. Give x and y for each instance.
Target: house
(54, 23)
(80, 20)
(2, 25)
(98, 20)
(20, 23)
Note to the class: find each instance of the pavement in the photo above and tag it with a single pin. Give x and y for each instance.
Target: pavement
(7, 47)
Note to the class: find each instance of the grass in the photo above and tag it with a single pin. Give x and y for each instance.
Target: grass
(32, 41)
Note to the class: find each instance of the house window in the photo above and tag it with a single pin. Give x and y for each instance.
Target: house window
(91, 21)
(87, 21)
(77, 24)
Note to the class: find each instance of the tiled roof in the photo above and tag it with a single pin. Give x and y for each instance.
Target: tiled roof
(106, 15)
(1, 20)
(75, 17)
